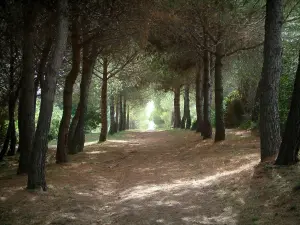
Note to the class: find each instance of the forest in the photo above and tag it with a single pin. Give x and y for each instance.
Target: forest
(149, 112)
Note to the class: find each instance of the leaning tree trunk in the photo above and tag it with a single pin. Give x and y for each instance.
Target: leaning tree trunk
(289, 148)
(89, 59)
(26, 102)
(206, 129)
(61, 152)
(269, 116)
(186, 119)
(199, 99)
(220, 126)
(36, 173)
(177, 107)
(103, 133)
(72, 130)
(121, 113)
(112, 129)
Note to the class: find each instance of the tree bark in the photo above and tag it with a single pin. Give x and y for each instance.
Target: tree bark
(255, 110)
(121, 113)
(289, 148)
(220, 127)
(206, 129)
(36, 173)
(117, 117)
(26, 103)
(186, 119)
(127, 118)
(103, 133)
(89, 59)
(199, 99)
(124, 113)
(272, 67)
(112, 127)
(72, 129)
(177, 107)
(61, 152)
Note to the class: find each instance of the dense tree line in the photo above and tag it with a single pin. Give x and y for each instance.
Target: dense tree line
(71, 52)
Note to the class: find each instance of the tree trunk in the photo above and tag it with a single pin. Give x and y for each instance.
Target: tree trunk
(206, 129)
(117, 116)
(220, 127)
(103, 133)
(26, 103)
(112, 129)
(61, 152)
(199, 99)
(127, 118)
(289, 148)
(255, 110)
(121, 113)
(89, 59)
(177, 107)
(36, 173)
(272, 66)
(186, 119)
(124, 113)
(72, 130)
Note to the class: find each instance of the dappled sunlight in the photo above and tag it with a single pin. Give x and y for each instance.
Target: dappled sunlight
(146, 191)
(95, 152)
(117, 141)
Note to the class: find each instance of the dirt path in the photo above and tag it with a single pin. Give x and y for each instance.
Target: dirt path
(169, 177)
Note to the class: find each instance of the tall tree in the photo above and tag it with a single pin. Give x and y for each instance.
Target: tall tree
(36, 173)
(269, 115)
(26, 103)
(177, 120)
(289, 148)
(61, 152)
(199, 98)
(112, 127)
(103, 133)
(186, 119)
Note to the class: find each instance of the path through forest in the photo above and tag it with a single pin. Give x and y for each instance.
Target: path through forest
(163, 177)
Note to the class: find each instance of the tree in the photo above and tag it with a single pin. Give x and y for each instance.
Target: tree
(26, 103)
(186, 119)
(269, 115)
(61, 152)
(36, 173)
(289, 148)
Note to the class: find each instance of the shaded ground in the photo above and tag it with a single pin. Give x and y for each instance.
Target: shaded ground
(167, 177)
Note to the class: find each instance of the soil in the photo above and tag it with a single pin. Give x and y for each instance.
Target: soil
(162, 177)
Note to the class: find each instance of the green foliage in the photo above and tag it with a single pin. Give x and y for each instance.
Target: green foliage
(234, 109)
(234, 95)
(285, 93)
(248, 125)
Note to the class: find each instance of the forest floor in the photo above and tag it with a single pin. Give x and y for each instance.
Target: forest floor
(165, 177)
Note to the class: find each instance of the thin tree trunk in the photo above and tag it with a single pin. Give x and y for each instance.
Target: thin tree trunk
(61, 152)
(272, 66)
(89, 59)
(220, 127)
(112, 127)
(289, 148)
(186, 119)
(255, 110)
(124, 113)
(117, 117)
(103, 133)
(26, 103)
(206, 129)
(72, 130)
(127, 118)
(36, 173)
(177, 107)
(121, 113)
(199, 99)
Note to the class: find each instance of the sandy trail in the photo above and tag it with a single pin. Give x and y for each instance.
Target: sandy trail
(167, 177)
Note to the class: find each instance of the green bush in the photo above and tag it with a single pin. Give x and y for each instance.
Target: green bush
(234, 110)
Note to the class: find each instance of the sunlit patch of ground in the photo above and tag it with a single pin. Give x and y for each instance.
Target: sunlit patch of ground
(166, 177)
